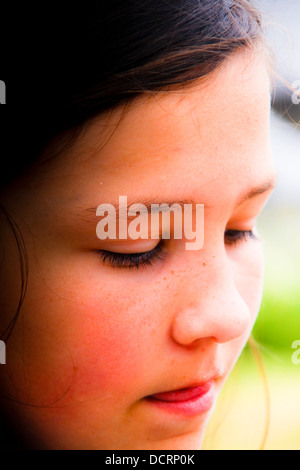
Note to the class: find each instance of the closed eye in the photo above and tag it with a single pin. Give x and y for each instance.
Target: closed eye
(235, 236)
(133, 260)
(148, 258)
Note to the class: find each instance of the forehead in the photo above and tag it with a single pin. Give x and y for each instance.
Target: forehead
(208, 135)
(206, 123)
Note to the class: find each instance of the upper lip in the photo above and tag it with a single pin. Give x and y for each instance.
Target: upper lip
(185, 388)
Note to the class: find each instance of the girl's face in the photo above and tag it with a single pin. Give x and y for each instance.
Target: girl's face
(94, 338)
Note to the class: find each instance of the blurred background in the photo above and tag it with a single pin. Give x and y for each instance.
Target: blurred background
(265, 378)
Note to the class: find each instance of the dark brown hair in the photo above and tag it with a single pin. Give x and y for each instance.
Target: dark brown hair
(89, 59)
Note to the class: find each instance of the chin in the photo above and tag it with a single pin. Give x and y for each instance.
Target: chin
(191, 441)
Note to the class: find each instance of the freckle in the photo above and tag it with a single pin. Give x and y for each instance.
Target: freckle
(172, 272)
(165, 278)
(203, 264)
(50, 300)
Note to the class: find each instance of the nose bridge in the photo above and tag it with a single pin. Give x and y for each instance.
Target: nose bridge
(212, 305)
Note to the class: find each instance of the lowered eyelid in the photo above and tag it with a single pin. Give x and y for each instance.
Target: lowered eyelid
(135, 247)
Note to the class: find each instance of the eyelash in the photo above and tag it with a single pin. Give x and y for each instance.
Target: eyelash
(133, 260)
(148, 258)
(235, 236)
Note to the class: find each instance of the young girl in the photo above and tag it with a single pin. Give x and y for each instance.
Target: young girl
(126, 343)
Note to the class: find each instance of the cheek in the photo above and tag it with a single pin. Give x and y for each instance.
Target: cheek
(110, 346)
(94, 346)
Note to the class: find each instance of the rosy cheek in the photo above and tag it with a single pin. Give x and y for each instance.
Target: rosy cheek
(105, 346)
(107, 349)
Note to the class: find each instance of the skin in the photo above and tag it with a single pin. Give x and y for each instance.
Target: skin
(92, 340)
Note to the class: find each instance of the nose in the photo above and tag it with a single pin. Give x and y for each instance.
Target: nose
(215, 310)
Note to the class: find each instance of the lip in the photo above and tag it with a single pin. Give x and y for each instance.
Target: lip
(191, 401)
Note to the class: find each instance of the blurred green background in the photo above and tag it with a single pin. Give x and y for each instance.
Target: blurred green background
(260, 405)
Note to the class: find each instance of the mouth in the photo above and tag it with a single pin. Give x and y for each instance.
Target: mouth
(191, 401)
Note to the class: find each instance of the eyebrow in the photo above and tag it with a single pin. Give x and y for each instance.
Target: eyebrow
(148, 202)
(261, 189)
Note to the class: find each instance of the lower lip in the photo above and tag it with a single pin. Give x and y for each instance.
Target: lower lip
(188, 402)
